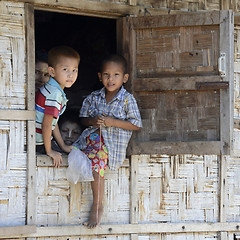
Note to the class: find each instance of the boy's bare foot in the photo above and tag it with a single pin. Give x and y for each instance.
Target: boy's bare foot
(95, 216)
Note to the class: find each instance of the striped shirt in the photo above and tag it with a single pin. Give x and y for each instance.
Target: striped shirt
(124, 107)
(50, 100)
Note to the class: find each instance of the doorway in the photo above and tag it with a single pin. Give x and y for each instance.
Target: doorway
(92, 37)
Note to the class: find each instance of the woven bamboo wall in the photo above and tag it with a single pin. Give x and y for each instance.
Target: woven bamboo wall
(169, 188)
(12, 133)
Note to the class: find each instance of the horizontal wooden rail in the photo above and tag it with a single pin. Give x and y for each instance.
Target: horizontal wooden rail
(46, 161)
(212, 85)
(19, 115)
(118, 229)
(172, 83)
(173, 148)
(17, 230)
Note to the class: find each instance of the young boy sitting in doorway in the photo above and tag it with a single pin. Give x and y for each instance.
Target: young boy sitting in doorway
(51, 100)
(110, 115)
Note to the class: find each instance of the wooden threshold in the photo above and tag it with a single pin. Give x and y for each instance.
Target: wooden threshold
(174, 148)
(120, 229)
(17, 231)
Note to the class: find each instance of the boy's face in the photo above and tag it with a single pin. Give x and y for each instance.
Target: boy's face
(113, 77)
(65, 72)
(41, 74)
(70, 132)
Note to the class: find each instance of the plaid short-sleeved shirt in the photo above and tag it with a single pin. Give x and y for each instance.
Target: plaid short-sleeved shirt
(124, 107)
(51, 100)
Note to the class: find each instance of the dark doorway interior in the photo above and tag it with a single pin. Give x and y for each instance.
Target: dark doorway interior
(92, 37)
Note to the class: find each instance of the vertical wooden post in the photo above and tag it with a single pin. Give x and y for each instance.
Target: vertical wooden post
(134, 192)
(134, 189)
(227, 95)
(223, 200)
(224, 4)
(132, 2)
(223, 173)
(31, 152)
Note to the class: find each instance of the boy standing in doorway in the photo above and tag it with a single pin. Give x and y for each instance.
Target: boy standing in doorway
(110, 115)
(51, 100)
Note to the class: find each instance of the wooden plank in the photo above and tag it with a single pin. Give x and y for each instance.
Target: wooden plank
(224, 4)
(227, 95)
(206, 18)
(17, 231)
(118, 229)
(134, 189)
(223, 192)
(94, 8)
(20, 115)
(173, 148)
(212, 85)
(46, 161)
(30, 53)
(132, 2)
(169, 83)
(31, 148)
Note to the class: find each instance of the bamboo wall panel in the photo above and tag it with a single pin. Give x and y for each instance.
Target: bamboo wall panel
(233, 189)
(60, 202)
(178, 189)
(180, 115)
(13, 157)
(178, 50)
(12, 173)
(12, 56)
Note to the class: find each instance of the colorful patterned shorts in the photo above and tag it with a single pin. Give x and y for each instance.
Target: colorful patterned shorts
(98, 156)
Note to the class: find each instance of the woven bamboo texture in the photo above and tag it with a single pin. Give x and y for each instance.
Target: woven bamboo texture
(169, 188)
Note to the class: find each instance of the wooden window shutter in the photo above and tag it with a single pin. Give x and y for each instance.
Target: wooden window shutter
(181, 74)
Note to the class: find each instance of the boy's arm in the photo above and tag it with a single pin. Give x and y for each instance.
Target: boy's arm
(111, 122)
(58, 137)
(90, 121)
(47, 133)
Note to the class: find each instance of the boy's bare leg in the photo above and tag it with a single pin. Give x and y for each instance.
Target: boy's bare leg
(97, 206)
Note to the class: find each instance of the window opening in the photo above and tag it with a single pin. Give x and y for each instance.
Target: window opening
(92, 37)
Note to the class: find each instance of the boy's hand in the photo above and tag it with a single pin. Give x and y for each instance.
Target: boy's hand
(67, 148)
(105, 120)
(56, 157)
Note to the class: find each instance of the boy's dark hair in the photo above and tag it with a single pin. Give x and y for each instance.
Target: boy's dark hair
(116, 58)
(61, 51)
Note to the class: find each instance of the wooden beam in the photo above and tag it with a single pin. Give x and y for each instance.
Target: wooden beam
(97, 9)
(17, 230)
(227, 95)
(134, 189)
(171, 84)
(224, 4)
(173, 148)
(18, 115)
(211, 85)
(203, 18)
(119, 229)
(132, 2)
(223, 193)
(46, 161)
(31, 126)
